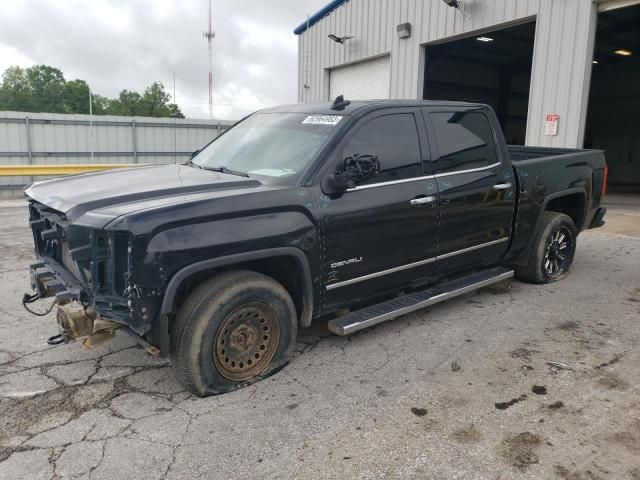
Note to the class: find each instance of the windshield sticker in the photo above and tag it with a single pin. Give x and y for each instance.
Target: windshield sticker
(322, 119)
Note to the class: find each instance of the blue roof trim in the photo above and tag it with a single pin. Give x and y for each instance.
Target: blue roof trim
(319, 15)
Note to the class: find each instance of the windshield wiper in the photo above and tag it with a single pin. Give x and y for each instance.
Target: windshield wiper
(226, 170)
(192, 164)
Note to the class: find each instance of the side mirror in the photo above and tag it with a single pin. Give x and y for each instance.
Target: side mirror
(355, 169)
(361, 167)
(194, 154)
(336, 183)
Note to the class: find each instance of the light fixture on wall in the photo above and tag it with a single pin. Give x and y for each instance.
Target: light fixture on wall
(459, 5)
(623, 52)
(338, 39)
(404, 30)
(485, 39)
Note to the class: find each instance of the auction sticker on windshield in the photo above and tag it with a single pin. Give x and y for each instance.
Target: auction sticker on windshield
(322, 119)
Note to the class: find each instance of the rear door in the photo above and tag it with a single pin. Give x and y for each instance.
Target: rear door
(476, 189)
(381, 235)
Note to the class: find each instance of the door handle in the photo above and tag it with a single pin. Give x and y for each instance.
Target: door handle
(423, 200)
(502, 186)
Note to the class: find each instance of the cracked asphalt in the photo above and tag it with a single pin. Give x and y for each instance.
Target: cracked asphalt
(460, 390)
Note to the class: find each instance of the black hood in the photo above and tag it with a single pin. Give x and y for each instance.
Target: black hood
(79, 194)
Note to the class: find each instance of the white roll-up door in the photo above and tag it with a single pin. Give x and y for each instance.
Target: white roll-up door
(361, 81)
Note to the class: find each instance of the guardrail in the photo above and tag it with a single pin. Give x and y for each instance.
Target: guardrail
(44, 170)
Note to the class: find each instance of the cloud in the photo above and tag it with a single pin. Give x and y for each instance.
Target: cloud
(118, 44)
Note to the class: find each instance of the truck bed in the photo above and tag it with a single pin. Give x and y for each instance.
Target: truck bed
(575, 177)
(519, 153)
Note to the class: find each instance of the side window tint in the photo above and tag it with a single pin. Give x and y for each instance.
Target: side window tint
(394, 140)
(465, 141)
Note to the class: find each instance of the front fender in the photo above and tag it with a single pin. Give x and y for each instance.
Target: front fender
(295, 253)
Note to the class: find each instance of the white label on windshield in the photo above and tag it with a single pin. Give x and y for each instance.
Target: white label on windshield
(322, 119)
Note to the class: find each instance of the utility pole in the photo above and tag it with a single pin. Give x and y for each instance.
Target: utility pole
(175, 127)
(209, 34)
(91, 142)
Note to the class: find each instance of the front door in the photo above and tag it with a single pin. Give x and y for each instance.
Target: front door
(477, 190)
(381, 234)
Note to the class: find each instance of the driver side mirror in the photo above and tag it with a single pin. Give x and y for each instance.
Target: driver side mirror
(355, 169)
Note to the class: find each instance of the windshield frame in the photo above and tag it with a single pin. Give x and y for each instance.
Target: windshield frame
(300, 177)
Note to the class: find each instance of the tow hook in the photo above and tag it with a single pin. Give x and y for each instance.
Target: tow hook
(57, 339)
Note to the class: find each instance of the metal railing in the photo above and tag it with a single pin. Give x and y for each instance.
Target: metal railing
(47, 170)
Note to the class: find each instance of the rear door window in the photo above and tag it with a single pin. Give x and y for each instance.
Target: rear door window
(465, 141)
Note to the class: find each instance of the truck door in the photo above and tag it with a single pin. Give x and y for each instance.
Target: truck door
(476, 189)
(381, 234)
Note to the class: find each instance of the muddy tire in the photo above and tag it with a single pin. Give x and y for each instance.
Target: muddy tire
(233, 330)
(552, 250)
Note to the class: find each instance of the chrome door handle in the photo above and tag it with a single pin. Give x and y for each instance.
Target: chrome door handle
(423, 200)
(502, 186)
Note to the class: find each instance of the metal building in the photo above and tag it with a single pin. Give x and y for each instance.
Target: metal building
(559, 73)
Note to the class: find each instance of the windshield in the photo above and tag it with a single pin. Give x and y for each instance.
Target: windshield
(270, 144)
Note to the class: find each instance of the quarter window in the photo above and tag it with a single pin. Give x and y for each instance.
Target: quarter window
(394, 140)
(465, 141)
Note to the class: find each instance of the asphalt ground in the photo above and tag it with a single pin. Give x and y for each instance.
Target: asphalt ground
(463, 389)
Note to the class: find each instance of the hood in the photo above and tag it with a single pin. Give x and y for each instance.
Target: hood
(78, 194)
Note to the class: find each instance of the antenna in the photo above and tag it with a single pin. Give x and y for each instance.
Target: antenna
(209, 36)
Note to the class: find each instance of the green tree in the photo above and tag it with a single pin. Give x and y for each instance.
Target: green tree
(128, 103)
(42, 88)
(155, 101)
(14, 91)
(76, 97)
(100, 104)
(47, 88)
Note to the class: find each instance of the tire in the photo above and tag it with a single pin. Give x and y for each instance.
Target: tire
(552, 250)
(233, 330)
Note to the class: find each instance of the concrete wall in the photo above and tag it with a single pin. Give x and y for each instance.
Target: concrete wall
(562, 53)
(49, 138)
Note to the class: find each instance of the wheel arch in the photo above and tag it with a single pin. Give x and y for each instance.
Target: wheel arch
(572, 202)
(263, 261)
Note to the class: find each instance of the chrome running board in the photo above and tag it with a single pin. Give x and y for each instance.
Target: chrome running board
(381, 312)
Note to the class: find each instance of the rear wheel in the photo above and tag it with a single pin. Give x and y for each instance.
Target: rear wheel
(552, 250)
(233, 330)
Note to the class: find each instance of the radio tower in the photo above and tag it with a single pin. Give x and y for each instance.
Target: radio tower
(209, 36)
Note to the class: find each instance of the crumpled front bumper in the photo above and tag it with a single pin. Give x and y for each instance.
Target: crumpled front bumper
(51, 279)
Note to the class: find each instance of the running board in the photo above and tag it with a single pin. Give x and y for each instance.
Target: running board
(375, 314)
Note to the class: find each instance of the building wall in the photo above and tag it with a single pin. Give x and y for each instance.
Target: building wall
(51, 138)
(562, 53)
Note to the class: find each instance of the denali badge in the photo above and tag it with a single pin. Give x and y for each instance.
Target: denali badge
(346, 262)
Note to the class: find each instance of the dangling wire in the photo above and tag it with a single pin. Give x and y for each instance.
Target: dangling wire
(32, 298)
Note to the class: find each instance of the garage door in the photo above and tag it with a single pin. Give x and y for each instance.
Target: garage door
(361, 81)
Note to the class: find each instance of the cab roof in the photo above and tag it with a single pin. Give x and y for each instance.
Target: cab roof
(325, 108)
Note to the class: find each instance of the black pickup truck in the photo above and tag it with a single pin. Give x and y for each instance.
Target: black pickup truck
(348, 212)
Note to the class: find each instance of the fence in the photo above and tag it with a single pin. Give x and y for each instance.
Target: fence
(59, 139)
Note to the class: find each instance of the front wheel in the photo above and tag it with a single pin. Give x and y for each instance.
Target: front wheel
(233, 330)
(552, 250)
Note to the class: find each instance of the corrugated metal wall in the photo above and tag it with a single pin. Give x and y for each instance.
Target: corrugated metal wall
(562, 53)
(50, 138)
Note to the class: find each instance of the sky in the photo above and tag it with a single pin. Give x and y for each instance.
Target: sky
(129, 44)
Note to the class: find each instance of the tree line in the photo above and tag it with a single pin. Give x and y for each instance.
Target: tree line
(42, 88)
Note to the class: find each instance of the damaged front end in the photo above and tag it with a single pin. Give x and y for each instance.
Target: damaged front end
(88, 272)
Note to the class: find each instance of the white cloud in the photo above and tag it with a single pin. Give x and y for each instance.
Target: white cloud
(118, 44)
